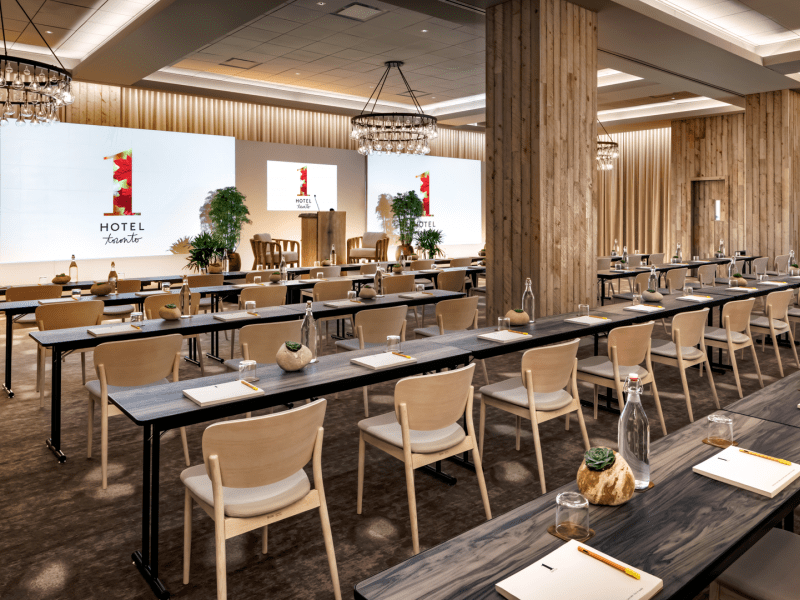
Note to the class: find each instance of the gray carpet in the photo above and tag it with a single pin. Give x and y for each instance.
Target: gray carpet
(63, 537)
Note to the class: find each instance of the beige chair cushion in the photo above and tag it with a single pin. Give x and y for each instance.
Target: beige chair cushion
(248, 502)
(124, 309)
(370, 239)
(233, 363)
(362, 253)
(93, 387)
(764, 322)
(431, 331)
(352, 344)
(205, 302)
(513, 392)
(601, 366)
(794, 312)
(768, 570)
(289, 257)
(262, 237)
(668, 349)
(29, 319)
(716, 333)
(386, 428)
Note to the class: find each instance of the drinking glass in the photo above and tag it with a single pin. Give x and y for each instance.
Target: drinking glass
(250, 306)
(317, 263)
(43, 280)
(732, 282)
(503, 323)
(792, 272)
(257, 279)
(113, 282)
(720, 430)
(393, 343)
(572, 516)
(137, 317)
(636, 252)
(583, 310)
(165, 287)
(420, 287)
(687, 290)
(259, 267)
(637, 299)
(695, 259)
(76, 294)
(120, 276)
(247, 371)
(351, 295)
(737, 254)
(319, 275)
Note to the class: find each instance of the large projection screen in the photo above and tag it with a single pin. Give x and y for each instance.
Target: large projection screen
(301, 186)
(450, 189)
(101, 192)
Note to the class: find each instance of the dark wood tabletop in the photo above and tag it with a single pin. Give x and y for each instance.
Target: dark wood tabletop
(686, 530)
(777, 402)
(620, 274)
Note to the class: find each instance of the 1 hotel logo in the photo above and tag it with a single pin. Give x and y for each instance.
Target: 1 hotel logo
(122, 201)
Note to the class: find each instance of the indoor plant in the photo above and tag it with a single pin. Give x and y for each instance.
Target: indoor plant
(228, 212)
(429, 240)
(205, 249)
(406, 210)
(605, 478)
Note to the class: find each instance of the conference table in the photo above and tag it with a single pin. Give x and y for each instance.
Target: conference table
(779, 402)
(62, 341)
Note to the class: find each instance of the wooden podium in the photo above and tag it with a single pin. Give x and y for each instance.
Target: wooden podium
(319, 231)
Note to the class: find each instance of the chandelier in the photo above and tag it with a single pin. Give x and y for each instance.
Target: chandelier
(30, 91)
(398, 133)
(607, 151)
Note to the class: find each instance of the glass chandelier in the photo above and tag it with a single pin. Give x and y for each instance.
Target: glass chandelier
(607, 151)
(398, 133)
(31, 92)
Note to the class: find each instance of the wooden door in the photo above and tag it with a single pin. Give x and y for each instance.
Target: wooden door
(707, 230)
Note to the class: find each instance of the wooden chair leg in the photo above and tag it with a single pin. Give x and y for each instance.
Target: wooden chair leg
(518, 429)
(686, 391)
(485, 372)
(735, 367)
(104, 442)
(758, 367)
(187, 536)
(566, 424)
(90, 430)
(658, 408)
(713, 591)
(481, 427)
(596, 399)
(329, 549)
(83, 367)
(38, 365)
(582, 425)
(794, 350)
(412, 505)
(264, 539)
(538, 447)
(233, 342)
(185, 443)
(777, 352)
(366, 401)
(712, 384)
(476, 458)
(219, 544)
(200, 357)
(361, 459)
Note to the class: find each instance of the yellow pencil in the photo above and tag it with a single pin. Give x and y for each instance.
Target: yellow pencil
(519, 332)
(403, 355)
(136, 327)
(253, 313)
(248, 384)
(610, 563)
(780, 460)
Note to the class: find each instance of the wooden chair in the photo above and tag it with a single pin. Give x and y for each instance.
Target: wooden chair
(604, 264)
(424, 429)
(706, 276)
(452, 281)
(153, 303)
(269, 252)
(122, 312)
(373, 246)
(64, 315)
(251, 276)
(400, 284)
(261, 342)
(760, 265)
(368, 268)
(23, 293)
(126, 365)
(268, 295)
(253, 476)
(324, 291)
(323, 273)
(676, 279)
(688, 331)
(460, 262)
(775, 322)
(196, 281)
(539, 394)
(455, 315)
(628, 347)
(421, 264)
(734, 335)
(656, 259)
(371, 328)
(781, 265)
(767, 571)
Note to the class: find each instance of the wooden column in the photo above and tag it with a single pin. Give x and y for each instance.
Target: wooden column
(541, 102)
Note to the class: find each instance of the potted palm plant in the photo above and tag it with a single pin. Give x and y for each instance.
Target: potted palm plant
(429, 240)
(204, 249)
(228, 212)
(407, 209)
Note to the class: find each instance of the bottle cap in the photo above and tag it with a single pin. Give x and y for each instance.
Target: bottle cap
(308, 303)
(633, 377)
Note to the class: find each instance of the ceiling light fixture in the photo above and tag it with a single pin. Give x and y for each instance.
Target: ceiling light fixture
(607, 151)
(384, 133)
(38, 89)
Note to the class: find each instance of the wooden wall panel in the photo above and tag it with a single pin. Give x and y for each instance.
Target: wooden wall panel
(541, 105)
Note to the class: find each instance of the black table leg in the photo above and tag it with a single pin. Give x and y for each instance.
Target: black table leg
(602, 292)
(437, 473)
(214, 354)
(788, 522)
(9, 344)
(54, 443)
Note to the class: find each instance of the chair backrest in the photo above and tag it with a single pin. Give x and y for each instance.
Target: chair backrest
(640, 282)
(760, 265)
(22, 293)
(603, 264)
(452, 281)
(656, 259)
(779, 302)
(206, 280)
(373, 325)
(332, 290)
(691, 326)
(634, 260)
(782, 264)
(370, 238)
(631, 342)
(264, 450)
(738, 314)
(419, 265)
(738, 266)
(251, 276)
(153, 303)
(138, 362)
(550, 366)
(707, 274)
(64, 315)
(434, 401)
(129, 286)
(368, 269)
(261, 342)
(676, 278)
(460, 262)
(398, 284)
(326, 272)
(268, 295)
(263, 237)
(457, 314)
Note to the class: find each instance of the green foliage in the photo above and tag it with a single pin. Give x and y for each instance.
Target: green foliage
(228, 212)
(61, 275)
(293, 346)
(737, 274)
(429, 240)
(205, 249)
(406, 210)
(599, 459)
(651, 291)
(518, 310)
(794, 265)
(170, 306)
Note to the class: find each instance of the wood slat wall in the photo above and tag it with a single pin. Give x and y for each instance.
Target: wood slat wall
(541, 98)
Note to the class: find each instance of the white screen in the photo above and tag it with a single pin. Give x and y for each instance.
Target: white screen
(59, 194)
(292, 186)
(453, 196)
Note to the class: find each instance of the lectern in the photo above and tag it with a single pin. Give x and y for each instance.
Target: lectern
(319, 231)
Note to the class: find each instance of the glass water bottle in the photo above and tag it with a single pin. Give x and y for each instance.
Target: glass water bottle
(633, 434)
(731, 268)
(226, 262)
(185, 299)
(378, 284)
(333, 254)
(652, 280)
(679, 253)
(73, 270)
(529, 301)
(625, 256)
(112, 277)
(308, 332)
(282, 269)
(615, 249)
(722, 248)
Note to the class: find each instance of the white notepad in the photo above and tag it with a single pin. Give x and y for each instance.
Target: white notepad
(150, 293)
(503, 337)
(772, 283)
(759, 475)
(247, 285)
(694, 298)
(567, 573)
(233, 316)
(56, 300)
(221, 393)
(112, 330)
(743, 289)
(590, 320)
(385, 360)
(416, 295)
(341, 303)
(430, 271)
(645, 308)
(677, 265)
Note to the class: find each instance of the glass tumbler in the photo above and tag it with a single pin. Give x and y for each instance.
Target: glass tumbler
(43, 280)
(257, 279)
(583, 310)
(259, 267)
(572, 516)
(137, 318)
(420, 287)
(687, 290)
(247, 371)
(165, 287)
(637, 299)
(351, 295)
(720, 430)
(76, 294)
(393, 343)
(250, 306)
(503, 323)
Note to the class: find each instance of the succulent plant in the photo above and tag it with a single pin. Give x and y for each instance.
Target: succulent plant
(599, 459)
(293, 346)
(276, 272)
(737, 274)
(651, 291)
(61, 275)
(170, 306)
(795, 265)
(369, 285)
(518, 310)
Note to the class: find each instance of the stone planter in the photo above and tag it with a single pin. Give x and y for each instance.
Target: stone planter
(61, 280)
(293, 360)
(102, 288)
(518, 317)
(367, 293)
(234, 262)
(611, 487)
(274, 277)
(326, 263)
(215, 269)
(169, 314)
(403, 250)
(652, 296)
(739, 281)
(397, 269)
